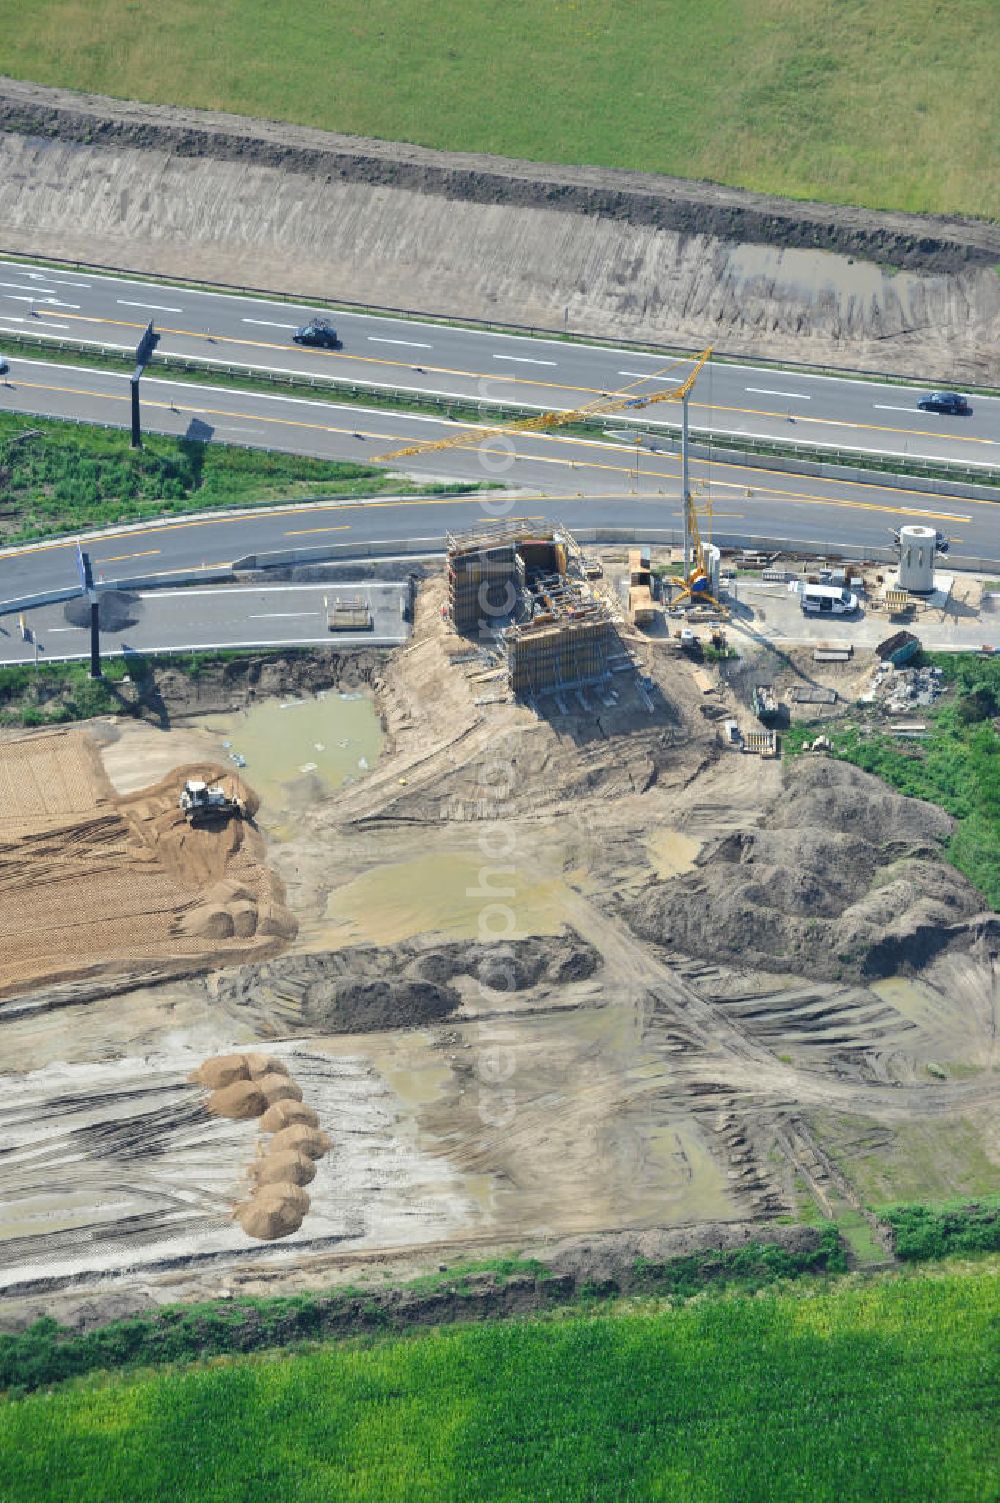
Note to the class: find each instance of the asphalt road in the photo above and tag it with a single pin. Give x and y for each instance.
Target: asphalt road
(435, 358)
(584, 483)
(222, 616)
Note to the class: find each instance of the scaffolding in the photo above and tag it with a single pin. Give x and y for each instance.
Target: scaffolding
(544, 656)
(530, 582)
(485, 575)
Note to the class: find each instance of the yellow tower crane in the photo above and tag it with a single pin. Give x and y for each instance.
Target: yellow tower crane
(697, 578)
(545, 420)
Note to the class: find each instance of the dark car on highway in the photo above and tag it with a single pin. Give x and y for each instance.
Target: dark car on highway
(945, 401)
(319, 332)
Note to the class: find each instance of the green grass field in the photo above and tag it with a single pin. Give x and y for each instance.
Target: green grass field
(888, 1391)
(889, 104)
(60, 477)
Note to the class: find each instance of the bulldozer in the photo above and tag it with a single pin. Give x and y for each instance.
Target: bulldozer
(203, 804)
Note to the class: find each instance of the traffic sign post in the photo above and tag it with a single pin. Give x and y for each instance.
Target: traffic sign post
(87, 581)
(143, 350)
(136, 421)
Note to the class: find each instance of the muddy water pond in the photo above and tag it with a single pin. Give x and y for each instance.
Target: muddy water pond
(296, 750)
(444, 893)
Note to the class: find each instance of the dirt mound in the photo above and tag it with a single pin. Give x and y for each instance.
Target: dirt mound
(273, 1211)
(222, 1071)
(242, 1100)
(361, 988)
(278, 1087)
(844, 878)
(284, 1168)
(121, 881)
(285, 1113)
(298, 1138)
(259, 1065)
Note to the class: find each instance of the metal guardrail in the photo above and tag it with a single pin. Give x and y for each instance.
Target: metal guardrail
(533, 331)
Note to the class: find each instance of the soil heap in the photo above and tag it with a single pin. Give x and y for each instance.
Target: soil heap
(845, 878)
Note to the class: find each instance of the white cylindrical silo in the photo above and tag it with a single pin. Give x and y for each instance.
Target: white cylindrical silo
(713, 562)
(916, 559)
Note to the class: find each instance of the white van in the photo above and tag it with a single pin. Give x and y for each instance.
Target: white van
(828, 600)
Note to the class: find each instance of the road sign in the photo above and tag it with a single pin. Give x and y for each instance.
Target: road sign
(146, 344)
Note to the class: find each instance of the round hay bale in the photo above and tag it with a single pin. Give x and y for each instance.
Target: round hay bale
(222, 1070)
(273, 1211)
(278, 1088)
(284, 1169)
(284, 1113)
(264, 1064)
(242, 1100)
(301, 1139)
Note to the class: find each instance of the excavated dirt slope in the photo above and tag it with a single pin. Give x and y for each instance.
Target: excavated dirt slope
(625, 255)
(95, 883)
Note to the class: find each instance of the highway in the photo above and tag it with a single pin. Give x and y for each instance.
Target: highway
(584, 482)
(421, 357)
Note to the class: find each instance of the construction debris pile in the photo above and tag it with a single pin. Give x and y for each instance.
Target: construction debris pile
(248, 1086)
(529, 586)
(899, 690)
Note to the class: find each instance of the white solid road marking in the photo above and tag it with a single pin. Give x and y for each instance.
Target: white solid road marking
(410, 344)
(39, 276)
(266, 323)
(35, 291)
(152, 307)
(280, 615)
(36, 323)
(524, 360)
(766, 391)
(889, 407)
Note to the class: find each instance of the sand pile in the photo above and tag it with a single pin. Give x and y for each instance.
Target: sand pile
(97, 883)
(844, 879)
(284, 1113)
(245, 1086)
(273, 1211)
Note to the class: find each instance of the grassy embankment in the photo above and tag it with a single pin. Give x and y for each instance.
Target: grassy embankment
(887, 1389)
(887, 105)
(957, 765)
(64, 478)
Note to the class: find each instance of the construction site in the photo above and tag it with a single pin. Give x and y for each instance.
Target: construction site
(526, 588)
(525, 931)
(555, 959)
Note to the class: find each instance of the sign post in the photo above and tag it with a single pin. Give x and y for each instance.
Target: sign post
(143, 350)
(87, 581)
